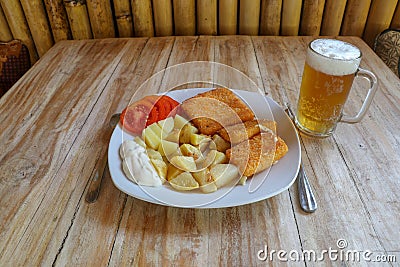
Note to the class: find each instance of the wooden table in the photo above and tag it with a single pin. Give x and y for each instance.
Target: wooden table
(53, 134)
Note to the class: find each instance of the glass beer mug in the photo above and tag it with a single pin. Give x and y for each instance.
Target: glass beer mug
(330, 68)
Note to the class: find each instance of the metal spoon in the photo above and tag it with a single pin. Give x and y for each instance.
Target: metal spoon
(94, 187)
(308, 202)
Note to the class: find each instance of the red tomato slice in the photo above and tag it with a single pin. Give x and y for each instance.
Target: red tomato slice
(146, 111)
(133, 119)
(153, 116)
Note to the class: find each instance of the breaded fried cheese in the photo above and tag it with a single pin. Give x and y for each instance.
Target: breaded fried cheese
(257, 154)
(212, 110)
(242, 131)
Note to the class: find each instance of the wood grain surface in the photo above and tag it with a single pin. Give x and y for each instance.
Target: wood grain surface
(52, 135)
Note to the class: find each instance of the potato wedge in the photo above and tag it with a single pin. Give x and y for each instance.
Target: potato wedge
(186, 132)
(161, 168)
(151, 138)
(205, 181)
(179, 122)
(167, 148)
(172, 172)
(190, 151)
(167, 125)
(220, 144)
(184, 182)
(184, 163)
(197, 139)
(224, 174)
(173, 136)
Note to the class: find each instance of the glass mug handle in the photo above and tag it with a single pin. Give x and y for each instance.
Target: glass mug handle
(371, 92)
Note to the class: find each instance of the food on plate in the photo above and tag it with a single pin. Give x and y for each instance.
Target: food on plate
(137, 166)
(216, 141)
(223, 174)
(257, 153)
(147, 111)
(184, 182)
(186, 132)
(185, 163)
(215, 109)
(205, 180)
(167, 148)
(220, 143)
(240, 132)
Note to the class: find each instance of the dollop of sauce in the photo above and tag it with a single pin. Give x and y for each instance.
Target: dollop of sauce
(136, 164)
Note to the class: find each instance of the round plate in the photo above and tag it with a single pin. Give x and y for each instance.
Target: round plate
(261, 186)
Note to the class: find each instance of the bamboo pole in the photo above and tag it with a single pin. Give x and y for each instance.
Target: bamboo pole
(101, 18)
(207, 17)
(379, 18)
(123, 17)
(249, 17)
(78, 19)
(355, 17)
(270, 17)
(184, 17)
(163, 21)
(396, 18)
(290, 23)
(227, 17)
(142, 18)
(58, 20)
(36, 17)
(311, 17)
(333, 16)
(5, 32)
(18, 25)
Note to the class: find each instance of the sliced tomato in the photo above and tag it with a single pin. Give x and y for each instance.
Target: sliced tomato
(153, 116)
(133, 119)
(146, 111)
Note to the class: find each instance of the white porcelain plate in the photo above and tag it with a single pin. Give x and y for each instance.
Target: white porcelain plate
(261, 186)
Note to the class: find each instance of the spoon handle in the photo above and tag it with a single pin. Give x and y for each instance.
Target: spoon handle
(307, 198)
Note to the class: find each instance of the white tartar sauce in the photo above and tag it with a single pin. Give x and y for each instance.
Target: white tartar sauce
(136, 164)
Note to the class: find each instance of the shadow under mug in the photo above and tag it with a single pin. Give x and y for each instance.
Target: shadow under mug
(330, 68)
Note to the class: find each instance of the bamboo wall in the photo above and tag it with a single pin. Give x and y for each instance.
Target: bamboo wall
(41, 23)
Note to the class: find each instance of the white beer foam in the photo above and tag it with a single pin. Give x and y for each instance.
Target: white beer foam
(333, 57)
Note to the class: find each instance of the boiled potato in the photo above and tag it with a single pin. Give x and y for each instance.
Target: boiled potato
(167, 148)
(184, 163)
(186, 132)
(173, 136)
(172, 172)
(205, 181)
(242, 180)
(190, 151)
(153, 154)
(223, 174)
(179, 122)
(219, 158)
(139, 141)
(206, 160)
(220, 144)
(151, 139)
(167, 125)
(197, 139)
(156, 129)
(161, 168)
(184, 182)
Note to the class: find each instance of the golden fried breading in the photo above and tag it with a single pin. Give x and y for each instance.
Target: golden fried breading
(257, 154)
(240, 132)
(215, 109)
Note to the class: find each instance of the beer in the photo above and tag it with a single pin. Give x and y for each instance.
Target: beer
(328, 75)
